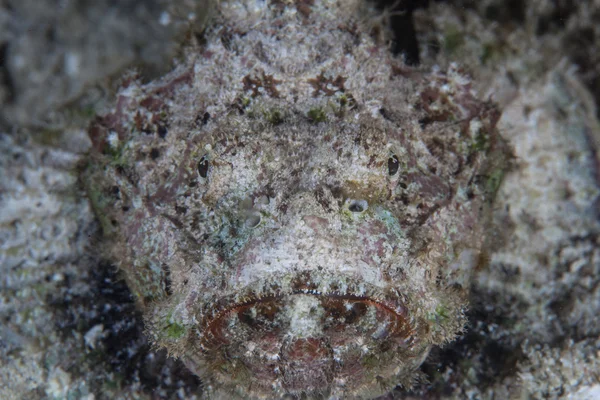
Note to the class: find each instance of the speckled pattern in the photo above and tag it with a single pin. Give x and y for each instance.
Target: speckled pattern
(295, 211)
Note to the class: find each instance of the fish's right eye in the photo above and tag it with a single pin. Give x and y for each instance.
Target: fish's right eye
(393, 165)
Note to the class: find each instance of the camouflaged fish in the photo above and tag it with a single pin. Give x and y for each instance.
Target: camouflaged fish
(297, 212)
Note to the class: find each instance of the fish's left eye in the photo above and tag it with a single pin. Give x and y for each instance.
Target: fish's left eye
(203, 165)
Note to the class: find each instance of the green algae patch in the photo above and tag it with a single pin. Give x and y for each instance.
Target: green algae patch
(316, 115)
(175, 331)
(494, 181)
(274, 117)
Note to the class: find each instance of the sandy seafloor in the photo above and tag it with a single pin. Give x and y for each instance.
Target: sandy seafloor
(68, 326)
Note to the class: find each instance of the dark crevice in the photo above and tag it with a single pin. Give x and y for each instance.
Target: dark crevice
(5, 77)
(405, 38)
(404, 42)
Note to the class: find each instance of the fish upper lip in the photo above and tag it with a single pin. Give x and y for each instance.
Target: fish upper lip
(217, 310)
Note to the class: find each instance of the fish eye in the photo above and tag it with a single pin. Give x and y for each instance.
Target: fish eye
(393, 165)
(203, 165)
(357, 206)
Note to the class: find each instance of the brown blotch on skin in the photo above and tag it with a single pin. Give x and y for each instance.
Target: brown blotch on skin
(320, 84)
(304, 7)
(152, 103)
(267, 82)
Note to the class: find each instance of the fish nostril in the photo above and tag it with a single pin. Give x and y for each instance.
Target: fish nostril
(252, 221)
(357, 206)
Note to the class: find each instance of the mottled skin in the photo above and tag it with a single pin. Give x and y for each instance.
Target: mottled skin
(297, 212)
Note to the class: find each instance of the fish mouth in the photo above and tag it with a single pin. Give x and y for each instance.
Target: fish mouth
(308, 337)
(366, 308)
